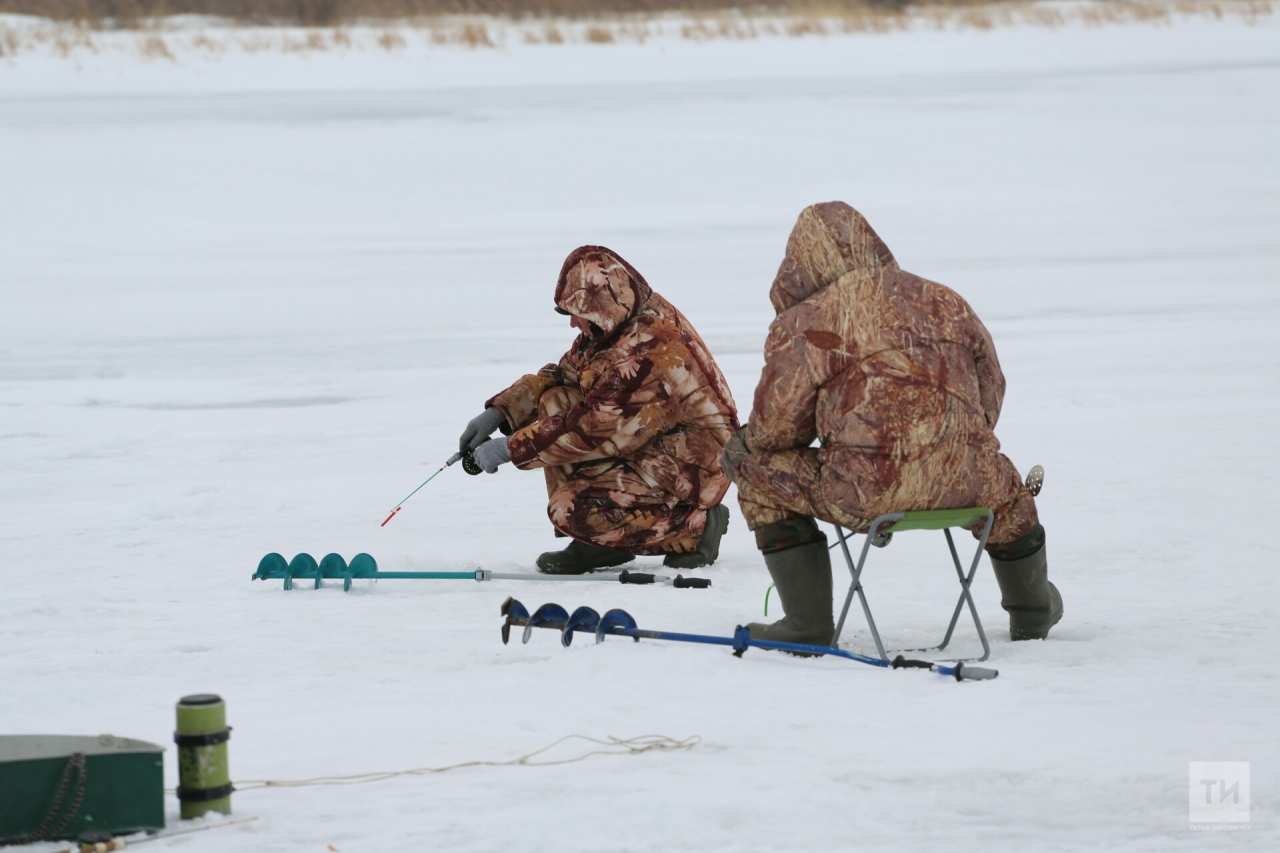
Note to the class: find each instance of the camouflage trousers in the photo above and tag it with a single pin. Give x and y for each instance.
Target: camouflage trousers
(790, 484)
(605, 503)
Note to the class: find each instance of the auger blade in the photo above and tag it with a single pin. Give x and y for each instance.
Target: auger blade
(271, 566)
(332, 566)
(301, 566)
(615, 619)
(583, 619)
(363, 566)
(546, 616)
(516, 615)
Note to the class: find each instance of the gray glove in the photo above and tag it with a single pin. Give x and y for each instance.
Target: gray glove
(734, 452)
(480, 427)
(491, 454)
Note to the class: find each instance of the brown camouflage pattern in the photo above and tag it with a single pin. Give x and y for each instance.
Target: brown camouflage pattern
(894, 375)
(629, 425)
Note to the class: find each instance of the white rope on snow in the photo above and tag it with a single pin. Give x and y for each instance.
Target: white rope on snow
(609, 746)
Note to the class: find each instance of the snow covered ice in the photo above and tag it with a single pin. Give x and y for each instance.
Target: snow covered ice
(248, 301)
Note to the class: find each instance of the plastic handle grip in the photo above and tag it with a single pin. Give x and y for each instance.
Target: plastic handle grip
(974, 673)
(682, 582)
(635, 577)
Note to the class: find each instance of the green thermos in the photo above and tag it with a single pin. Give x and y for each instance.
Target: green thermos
(204, 777)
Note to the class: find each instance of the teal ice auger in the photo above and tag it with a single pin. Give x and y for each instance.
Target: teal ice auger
(621, 623)
(333, 567)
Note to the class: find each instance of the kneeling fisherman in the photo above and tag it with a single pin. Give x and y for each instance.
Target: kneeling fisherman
(627, 428)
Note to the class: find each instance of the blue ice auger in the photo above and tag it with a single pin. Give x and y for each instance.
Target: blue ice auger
(362, 566)
(620, 623)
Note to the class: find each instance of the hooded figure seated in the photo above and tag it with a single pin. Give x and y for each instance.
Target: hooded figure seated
(897, 380)
(627, 428)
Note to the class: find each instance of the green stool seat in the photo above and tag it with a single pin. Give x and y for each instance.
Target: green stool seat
(938, 519)
(933, 519)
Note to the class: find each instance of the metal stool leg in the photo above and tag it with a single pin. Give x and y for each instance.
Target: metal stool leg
(856, 585)
(966, 595)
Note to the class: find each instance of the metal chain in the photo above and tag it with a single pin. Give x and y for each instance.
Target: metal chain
(78, 760)
(43, 831)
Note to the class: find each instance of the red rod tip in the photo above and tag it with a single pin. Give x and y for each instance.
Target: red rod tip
(389, 517)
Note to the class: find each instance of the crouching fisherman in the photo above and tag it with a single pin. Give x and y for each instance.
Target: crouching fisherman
(897, 379)
(628, 427)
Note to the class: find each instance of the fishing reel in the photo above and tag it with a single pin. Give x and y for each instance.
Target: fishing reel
(469, 463)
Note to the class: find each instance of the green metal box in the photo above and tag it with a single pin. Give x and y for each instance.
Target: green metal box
(108, 784)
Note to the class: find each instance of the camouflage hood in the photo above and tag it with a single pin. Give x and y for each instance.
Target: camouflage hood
(829, 240)
(598, 285)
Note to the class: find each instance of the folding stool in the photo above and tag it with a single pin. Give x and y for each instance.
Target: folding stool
(935, 519)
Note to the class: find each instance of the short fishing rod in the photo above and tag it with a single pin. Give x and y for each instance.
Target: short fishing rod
(468, 464)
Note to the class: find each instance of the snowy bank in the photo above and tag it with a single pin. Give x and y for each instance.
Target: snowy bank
(193, 54)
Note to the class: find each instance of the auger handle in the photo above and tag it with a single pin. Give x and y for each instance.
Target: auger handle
(682, 582)
(974, 673)
(960, 671)
(635, 577)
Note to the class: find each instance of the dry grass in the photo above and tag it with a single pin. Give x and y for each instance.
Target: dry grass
(698, 20)
(128, 13)
(9, 42)
(131, 14)
(154, 47)
(474, 34)
(391, 40)
(203, 42)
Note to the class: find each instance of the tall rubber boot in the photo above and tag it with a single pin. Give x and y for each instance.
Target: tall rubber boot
(580, 558)
(1033, 603)
(802, 576)
(708, 549)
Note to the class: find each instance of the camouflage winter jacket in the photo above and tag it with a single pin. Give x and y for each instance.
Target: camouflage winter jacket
(894, 374)
(652, 396)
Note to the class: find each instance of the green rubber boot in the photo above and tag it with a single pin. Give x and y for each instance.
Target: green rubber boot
(1033, 603)
(802, 576)
(580, 558)
(708, 546)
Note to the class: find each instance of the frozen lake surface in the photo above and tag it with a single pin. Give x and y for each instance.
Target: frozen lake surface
(248, 302)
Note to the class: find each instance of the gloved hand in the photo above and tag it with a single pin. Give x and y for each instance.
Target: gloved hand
(479, 428)
(733, 454)
(491, 454)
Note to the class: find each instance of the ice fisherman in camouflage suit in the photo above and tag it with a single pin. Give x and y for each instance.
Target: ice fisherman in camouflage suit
(897, 380)
(627, 428)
